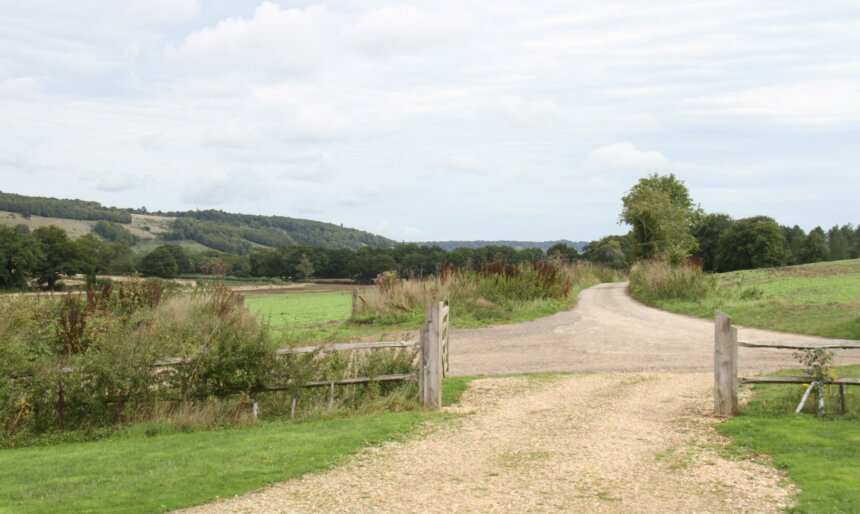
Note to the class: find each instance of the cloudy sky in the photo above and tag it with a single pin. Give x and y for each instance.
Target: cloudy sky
(487, 119)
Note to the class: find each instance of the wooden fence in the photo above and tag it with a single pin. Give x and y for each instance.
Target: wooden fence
(726, 378)
(432, 359)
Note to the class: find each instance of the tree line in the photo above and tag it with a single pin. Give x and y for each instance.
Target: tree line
(667, 225)
(41, 257)
(61, 208)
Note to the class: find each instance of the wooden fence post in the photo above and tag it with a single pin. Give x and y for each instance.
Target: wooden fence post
(725, 365)
(355, 301)
(430, 374)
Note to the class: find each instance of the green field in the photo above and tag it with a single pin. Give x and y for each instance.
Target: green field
(820, 299)
(315, 317)
(822, 455)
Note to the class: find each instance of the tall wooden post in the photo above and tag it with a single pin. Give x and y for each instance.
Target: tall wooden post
(725, 366)
(355, 300)
(430, 374)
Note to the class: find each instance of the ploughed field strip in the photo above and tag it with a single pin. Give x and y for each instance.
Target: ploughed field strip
(631, 442)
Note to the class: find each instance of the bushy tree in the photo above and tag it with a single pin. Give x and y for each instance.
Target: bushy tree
(795, 238)
(610, 250)
(708, 231)
(839, 241)
(19, 257)
(59, 255)
(660, 211)
(563, 252)
(815, 247)
(164, 261)
(756, 242)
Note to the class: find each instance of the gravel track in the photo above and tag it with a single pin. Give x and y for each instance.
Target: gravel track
(609, 331)
(636, 436)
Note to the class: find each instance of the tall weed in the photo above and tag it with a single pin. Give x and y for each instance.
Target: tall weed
(658, 280)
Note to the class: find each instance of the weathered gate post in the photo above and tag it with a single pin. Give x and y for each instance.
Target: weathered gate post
(430, 374)
(355, 300)
(725, 365)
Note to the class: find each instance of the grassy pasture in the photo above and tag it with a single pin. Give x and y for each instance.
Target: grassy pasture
(821, 455)
(820, 299)
(318, 317)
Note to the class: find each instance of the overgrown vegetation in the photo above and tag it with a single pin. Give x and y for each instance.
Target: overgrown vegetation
(491, 293)
(651, 281)
(820, 454)
(83, 364)
(816, 299)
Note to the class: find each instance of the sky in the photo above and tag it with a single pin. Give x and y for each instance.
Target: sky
(486, 119)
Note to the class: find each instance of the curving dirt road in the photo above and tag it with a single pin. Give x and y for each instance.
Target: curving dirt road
(609, 331)
(635, 437)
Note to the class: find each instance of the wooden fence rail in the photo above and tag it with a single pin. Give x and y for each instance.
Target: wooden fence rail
(726, 378)
(432, 344)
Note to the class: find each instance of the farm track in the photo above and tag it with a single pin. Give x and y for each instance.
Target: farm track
(609, 331)
(636, 436)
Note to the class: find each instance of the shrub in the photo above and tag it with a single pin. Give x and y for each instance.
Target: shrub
(659, 280)
(483, 292)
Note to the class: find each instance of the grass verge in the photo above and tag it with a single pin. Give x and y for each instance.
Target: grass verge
(821, 299)
(821, 455)
(132, 473)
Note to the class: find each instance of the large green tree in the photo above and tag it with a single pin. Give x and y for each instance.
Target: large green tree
(19, 257)
(60, 255)
(815, 247)
(756, 242)
(708, 231)
(660, 211)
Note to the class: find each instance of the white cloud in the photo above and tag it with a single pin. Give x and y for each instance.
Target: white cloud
(160, 11)
(397, 29)
(234, 187)
(626, 157)
(115, 182)
(274, 42)
(19, 87)
(806, 103)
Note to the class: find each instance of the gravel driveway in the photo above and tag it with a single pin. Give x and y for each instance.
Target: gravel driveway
(609, 331)
(636, 436)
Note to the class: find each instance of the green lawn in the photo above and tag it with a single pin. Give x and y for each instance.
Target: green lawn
(817, 299)
(821, 455)
(131, 472)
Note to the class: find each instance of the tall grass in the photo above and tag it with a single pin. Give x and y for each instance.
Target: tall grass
(657, 280)
(491, 292)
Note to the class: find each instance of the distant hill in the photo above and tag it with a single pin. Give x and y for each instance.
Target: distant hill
(207, 229)
(519, 245)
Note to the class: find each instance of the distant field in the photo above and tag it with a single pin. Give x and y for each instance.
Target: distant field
(817, 299)
(314, 317)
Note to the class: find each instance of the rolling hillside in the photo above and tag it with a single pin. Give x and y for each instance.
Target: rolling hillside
(209, 229)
